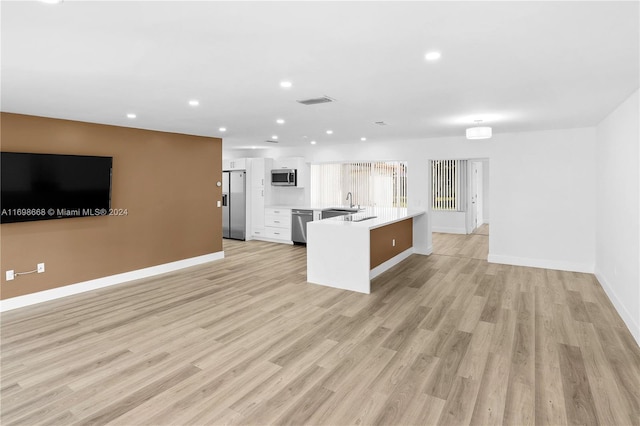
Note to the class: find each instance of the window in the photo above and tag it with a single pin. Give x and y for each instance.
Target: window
(448, 184)
(380, 184)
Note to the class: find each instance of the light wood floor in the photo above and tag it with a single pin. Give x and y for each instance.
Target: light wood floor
(475, 246)
(441, 340)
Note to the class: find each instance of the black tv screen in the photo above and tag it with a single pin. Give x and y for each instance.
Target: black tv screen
(53, 186)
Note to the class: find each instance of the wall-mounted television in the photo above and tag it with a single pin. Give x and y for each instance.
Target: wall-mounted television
(53, 186)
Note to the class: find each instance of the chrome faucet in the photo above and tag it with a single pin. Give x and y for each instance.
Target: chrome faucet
(350, 198)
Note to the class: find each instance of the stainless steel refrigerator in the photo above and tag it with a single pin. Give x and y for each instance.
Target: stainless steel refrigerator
(234, 204)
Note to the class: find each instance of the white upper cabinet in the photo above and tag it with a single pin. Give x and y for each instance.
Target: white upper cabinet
(260, 171)
(236, 164)
(288, 163)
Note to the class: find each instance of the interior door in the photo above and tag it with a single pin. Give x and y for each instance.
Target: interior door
(476, 194)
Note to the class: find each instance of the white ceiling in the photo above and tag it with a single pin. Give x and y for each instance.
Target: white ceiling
(523, 65)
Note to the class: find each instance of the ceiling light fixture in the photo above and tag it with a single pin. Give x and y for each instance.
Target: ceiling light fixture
(285, 84)
(51, 1)
(274, 137)
(312, 142)
(131, 116)
(329, 132)
(479, 132)
(363, 139)
(194, 102)
(432, 56)
(280, 121)
(223, 129)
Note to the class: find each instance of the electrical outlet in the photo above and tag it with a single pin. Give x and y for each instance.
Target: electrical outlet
(10, 275)
(219, 203)
(40, 268)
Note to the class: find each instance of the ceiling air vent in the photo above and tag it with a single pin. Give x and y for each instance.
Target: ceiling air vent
(322, 100)
(380, 123)
(270, 141)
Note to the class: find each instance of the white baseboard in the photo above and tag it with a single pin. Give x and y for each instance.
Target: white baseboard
(390, 263)
(541, 263)
(68, 290)
(271, 240)
(627, 317)
(446, 230)
(426, 252)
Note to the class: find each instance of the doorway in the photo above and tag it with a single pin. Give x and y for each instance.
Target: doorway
(476, 195)
(464, 230)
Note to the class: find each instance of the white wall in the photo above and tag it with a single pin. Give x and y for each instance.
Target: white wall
(543, 202)
(486, 192)
(449, 222)
(617, 213)
(542, 205)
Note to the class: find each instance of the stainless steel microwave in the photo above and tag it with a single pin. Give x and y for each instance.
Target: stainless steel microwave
(284, 177)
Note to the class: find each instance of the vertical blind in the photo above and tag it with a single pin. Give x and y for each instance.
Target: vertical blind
(380, 184)
(448, 184)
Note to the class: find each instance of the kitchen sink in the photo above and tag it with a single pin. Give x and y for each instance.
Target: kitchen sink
(339, 211)
(355, 218)
(346, 209)
(361, 219)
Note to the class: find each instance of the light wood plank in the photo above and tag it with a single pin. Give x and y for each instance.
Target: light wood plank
(442, 339)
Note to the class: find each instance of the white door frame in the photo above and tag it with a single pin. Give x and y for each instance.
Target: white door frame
(474, 213)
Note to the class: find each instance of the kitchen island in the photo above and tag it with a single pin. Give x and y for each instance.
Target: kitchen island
(347, 252)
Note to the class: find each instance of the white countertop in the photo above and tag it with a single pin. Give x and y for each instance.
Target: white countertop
(383, 216)
(297, 207)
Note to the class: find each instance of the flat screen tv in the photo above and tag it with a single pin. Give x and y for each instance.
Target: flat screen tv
(53, 186)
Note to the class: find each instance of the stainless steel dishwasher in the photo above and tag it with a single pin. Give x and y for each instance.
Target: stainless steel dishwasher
(299, 219)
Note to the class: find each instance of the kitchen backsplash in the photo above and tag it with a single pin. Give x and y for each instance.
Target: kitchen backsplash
(287, 196)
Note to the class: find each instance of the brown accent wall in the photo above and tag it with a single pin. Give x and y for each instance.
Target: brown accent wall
(381, 241)
(166, 181)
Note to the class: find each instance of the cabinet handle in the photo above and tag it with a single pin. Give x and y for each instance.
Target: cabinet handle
(262, 193)
(276, 221)
(276, 211)
(262, 180)
(277, 233)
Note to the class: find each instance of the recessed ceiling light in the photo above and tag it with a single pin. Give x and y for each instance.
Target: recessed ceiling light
(280, 121)
(51, 1)
(313, 142)
(329, 132)
(363, 139)
(274, 137)
(194, 102)
(285, 84)
(131, 115)
(254, 147)
(223, 129)
(432, 56)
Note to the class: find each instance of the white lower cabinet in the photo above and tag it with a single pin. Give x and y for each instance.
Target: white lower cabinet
(278, 233)
(277, 224)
